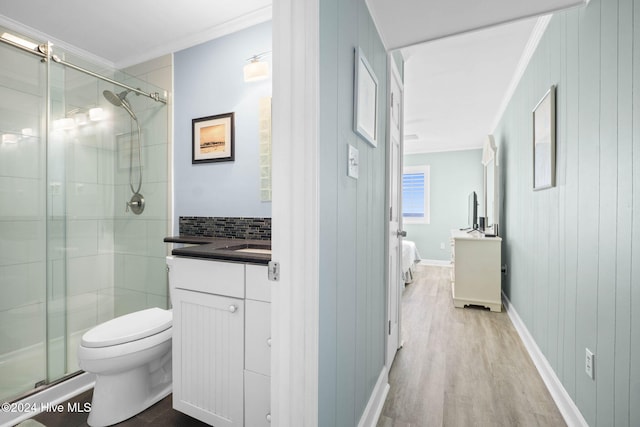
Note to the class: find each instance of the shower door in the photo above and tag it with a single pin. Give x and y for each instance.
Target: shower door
(23, 230)
(71, 255)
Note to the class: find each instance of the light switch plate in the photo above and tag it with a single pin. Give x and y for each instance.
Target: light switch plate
(589, 364)
(352, 162)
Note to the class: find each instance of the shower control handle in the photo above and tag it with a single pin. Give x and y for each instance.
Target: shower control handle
(136, 204)
(132, 205)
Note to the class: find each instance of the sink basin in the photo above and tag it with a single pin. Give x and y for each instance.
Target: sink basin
(254, 251)
(251, 248)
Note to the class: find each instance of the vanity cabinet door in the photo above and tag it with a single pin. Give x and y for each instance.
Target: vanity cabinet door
(257, 409)
(208, 357)
(258, 337)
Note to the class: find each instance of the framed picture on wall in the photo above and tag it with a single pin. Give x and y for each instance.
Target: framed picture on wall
(213, 139)
(365, 99)
(544, 141)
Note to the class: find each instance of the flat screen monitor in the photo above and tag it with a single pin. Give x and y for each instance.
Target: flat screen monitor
(473, 210)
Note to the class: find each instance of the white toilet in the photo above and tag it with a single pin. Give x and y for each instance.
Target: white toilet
(131, 358)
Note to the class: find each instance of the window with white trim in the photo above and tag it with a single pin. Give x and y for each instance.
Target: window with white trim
(415, 195)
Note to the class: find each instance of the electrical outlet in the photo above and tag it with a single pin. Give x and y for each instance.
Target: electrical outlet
(441, 245)
(589, 362)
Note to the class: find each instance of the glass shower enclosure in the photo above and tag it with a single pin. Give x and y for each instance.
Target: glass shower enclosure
(73, 253)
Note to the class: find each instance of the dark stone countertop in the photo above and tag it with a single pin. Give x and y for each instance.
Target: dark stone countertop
(221, 249)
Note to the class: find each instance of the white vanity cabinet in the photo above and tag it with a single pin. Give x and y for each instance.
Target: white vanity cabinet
(257, 356)
(221, 341)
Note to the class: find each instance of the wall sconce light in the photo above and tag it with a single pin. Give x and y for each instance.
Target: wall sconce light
(78, 117)
(256, 69)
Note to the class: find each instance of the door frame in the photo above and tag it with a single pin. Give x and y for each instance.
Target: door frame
(295, 213)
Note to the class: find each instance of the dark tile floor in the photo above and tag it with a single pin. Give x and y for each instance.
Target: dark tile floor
(160, 414)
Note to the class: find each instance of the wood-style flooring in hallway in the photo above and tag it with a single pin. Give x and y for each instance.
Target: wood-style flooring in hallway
(461, 367)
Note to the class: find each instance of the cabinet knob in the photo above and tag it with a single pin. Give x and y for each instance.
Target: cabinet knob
(233, 308)
(268, 418)
(269, 341)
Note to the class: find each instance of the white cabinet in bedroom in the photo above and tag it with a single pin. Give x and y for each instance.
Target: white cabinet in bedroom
(476, 272)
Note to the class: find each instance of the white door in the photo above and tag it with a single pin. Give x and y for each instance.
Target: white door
(395, 282)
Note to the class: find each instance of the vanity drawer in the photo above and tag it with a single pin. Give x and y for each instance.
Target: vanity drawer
(211, 277)
(258, 337)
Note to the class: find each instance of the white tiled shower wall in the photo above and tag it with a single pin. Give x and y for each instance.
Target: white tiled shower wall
(140, 268)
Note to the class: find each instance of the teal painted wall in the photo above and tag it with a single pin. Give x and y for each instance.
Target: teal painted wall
(573, 251)
(454, 175)
(352, 221)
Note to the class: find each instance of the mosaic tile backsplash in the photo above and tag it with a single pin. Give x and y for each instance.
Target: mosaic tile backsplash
(226, 227)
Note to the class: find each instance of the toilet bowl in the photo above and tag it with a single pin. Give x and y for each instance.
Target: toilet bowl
(131, 358)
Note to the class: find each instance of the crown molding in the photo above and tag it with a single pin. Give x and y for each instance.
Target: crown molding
(529, 50)
(245, 21)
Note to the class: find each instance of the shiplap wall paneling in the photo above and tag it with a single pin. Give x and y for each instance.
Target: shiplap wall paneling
(624, 213)
(634, 336)
(588, 202)
(574, 251)
(571, 83)
(352, 254)
(605, 342)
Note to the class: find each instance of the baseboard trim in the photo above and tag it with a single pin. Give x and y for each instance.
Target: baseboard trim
(436, 262)
(48, 397)
(566, 405)
(373, 410)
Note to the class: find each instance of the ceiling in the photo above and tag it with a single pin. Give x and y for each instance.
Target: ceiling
(408, 22)
(463, 59)
(126, 32)
(454, 86)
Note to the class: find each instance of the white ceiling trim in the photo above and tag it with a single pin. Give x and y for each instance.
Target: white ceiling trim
(245, 21)
(529, 50)
(41, 37)
(408, 151)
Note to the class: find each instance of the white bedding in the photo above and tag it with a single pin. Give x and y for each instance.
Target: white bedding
(410, 257)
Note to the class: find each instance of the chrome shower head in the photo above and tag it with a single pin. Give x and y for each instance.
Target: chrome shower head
(119, 100)
(115, 99)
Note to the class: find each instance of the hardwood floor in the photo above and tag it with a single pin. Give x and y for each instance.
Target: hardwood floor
(461, 367)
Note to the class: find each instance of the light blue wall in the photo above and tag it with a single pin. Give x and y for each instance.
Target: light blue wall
(352, 221)
(454, 175)
(208, 80)
(573, 251)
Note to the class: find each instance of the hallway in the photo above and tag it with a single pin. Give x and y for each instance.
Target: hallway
(461, 367)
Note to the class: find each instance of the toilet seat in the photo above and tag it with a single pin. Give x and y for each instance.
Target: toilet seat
(128, 328)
